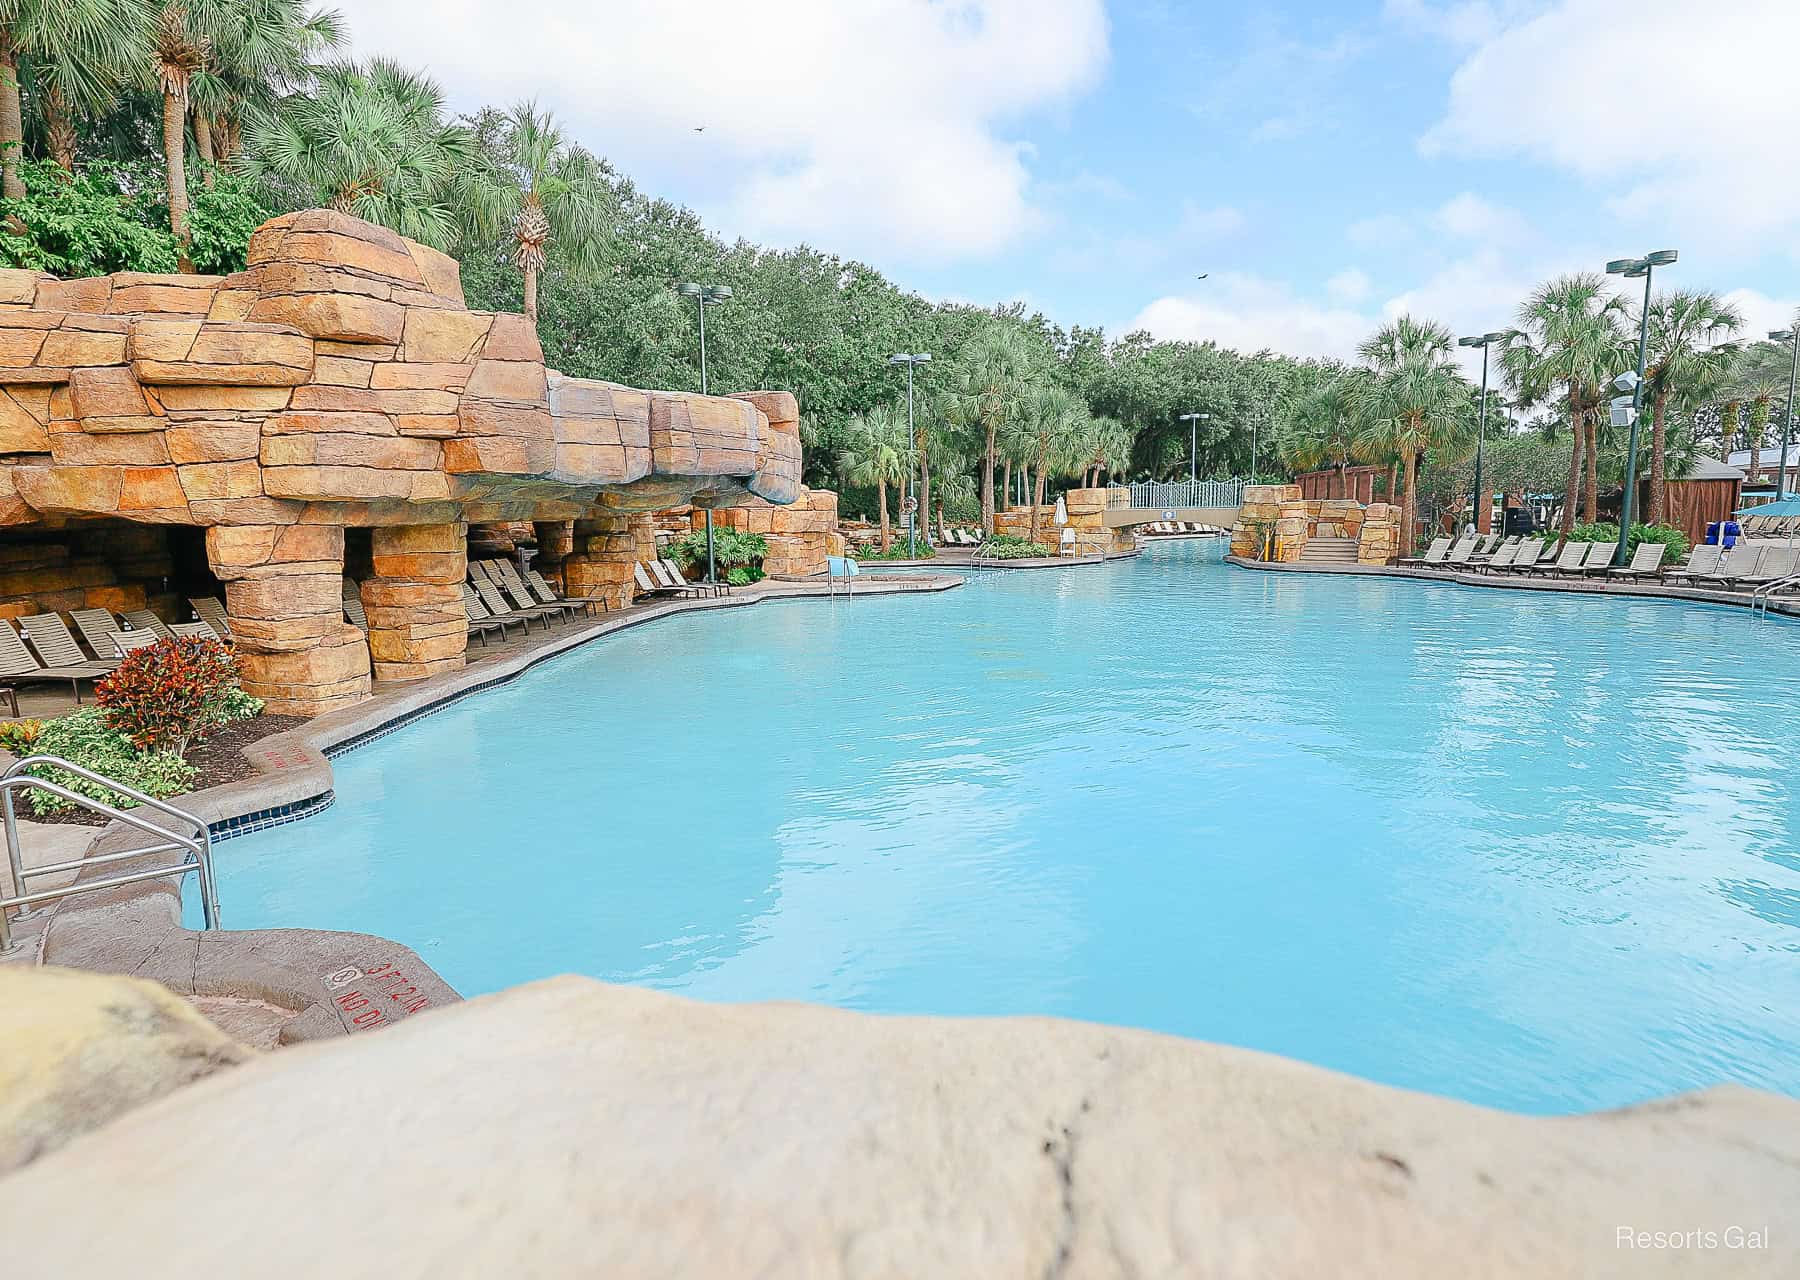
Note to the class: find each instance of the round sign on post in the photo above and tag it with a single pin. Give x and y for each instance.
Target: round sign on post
(1168, 515)
(908, 506)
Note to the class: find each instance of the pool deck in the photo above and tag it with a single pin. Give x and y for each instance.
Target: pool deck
(1788, 606)
(331, 983)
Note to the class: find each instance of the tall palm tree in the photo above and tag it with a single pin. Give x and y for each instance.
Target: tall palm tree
(260, 50)
(370, 141)
(541, 191)
(993, 375)
(1106, 449)
(1570, 342)
(81, 51)
(1411, 400)
(1055, 421)
(1690, 358)
(1320, 430)
(875, 454)
(1761, 392)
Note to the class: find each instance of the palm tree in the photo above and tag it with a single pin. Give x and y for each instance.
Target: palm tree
(260, 50)
(1106, 449)
(1410, 401)
(1690, 358)
(1054, 422)
(876, 454)
(370, 141)
(540, 190)
(1320, 431)
(993, 375)
(1570, 340)
(81, 51)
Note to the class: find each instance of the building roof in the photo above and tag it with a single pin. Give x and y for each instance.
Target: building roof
(1741, 457)
(1712, 469)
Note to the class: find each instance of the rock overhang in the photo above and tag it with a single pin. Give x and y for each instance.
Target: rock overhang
(340, 379)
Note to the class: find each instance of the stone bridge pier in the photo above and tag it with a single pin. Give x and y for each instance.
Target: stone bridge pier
(417, 624)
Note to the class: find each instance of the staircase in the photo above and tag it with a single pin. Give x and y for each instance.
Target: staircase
(1328, 551)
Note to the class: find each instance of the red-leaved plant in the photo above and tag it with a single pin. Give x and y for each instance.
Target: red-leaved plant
(165, 695)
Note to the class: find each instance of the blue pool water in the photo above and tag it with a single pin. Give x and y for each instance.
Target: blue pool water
(1534, 852)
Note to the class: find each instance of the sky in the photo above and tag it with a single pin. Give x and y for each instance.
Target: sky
(1326, 163)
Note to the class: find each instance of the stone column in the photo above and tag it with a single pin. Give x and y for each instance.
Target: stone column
(284, 600)
(417, 624)
(606, 548)
(556, 543)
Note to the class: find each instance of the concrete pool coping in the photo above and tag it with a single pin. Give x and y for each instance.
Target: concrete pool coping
(334, 982)
(1787, 606)
(948, 560)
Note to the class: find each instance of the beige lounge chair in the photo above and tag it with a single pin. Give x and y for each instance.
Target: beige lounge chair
(498, 605)
(1701, 560)
(126, 641)
(1527, 554)
(519, 591)
(666, 572)
(198, 629)
(1434, 554)
(50, 636)
(353, 607)
(97, 627)
(212, 609)
(1776, 563)
(482, 620)
(1646, 562)
(649, 584)
(547, 594)
(146, 620)
(1736, 564)
(18, 663)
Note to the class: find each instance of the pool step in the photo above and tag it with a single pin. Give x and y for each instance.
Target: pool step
(1328, 551)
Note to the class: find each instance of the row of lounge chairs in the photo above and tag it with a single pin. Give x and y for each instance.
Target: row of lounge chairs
(1166, 527)
(43, 649)
(961, 538)
(1706, 565)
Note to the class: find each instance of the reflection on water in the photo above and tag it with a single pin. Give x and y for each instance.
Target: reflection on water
(1533, 851)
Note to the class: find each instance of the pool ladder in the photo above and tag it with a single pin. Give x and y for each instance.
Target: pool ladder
(195, 845)
(1759, 598)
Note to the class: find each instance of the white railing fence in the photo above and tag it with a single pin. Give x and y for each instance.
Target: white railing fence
(1174, 494)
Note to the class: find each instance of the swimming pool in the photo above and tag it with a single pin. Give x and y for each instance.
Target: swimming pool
(1536, 852)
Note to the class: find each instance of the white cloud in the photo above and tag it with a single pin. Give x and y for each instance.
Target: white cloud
(1348, 286)
(1381, 231)
(1250, 313)
(1762, 313)
(1671, 105)
(877, 128)
(1461, 22)
(1470, 217)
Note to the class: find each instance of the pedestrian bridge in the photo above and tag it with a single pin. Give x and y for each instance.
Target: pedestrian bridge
(1213, 502)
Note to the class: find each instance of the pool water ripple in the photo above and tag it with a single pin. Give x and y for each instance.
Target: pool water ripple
(1533, 851)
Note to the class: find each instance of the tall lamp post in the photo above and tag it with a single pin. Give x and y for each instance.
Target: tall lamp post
(1194, 420)
(1792, 337)
(911, 361)
(1631, 269)
(1485, 341)
(704, 296)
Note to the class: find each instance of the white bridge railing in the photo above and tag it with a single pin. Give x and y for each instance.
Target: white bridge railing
(1173, 494)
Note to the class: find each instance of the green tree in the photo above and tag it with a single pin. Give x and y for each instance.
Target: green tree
(994, 374)
(258, 51)
(1319, 430)
(1689, 359)
(537, 190)
(1570, 342)
(876, 454)
(1411, 400)
(1056, 422)
(82, 53)
(367, 140)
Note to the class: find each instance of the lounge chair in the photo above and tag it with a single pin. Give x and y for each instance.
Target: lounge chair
(514, 593)
(353, 607)
(1526, 554)
(146, 620)
(481, 621)
(97, 627)
(497, 604)
(665, 572)
(1736, 564)
(520, 590)
(1646, 562)
(198, 629)
(126, 641)
(1702, 559)
(1501, 559)
(1569, 560)
(1434, 554)
(718, 587)
(1775, 564)
(50, 636)
(647, 585)
(1460, 553)
(547, 594)
(212, 609)
(17, 663)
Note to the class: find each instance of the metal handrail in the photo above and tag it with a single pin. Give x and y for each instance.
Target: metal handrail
(1176, 494)
(198, 845)
(1759, 598)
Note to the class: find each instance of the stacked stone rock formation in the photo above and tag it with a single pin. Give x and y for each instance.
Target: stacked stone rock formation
(1086, 512)
(800, 535)
(1277, 518)
(340, 381)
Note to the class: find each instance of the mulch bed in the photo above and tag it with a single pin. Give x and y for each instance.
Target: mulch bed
(219, 759)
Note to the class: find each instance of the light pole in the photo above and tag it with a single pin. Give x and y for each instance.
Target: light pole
(1792, 337)
(1485, 341)
(1631, 269)
(1194, 420)
(911, 362)
(704, 296)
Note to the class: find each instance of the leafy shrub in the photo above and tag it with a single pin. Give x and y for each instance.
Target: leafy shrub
(239, 705)
(19, 736)
(744, 574)
(1006, 546)
(109, 217)
(165, 695)
(732, 548)
(85, 738)
(1673, 538)
(897, 551)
